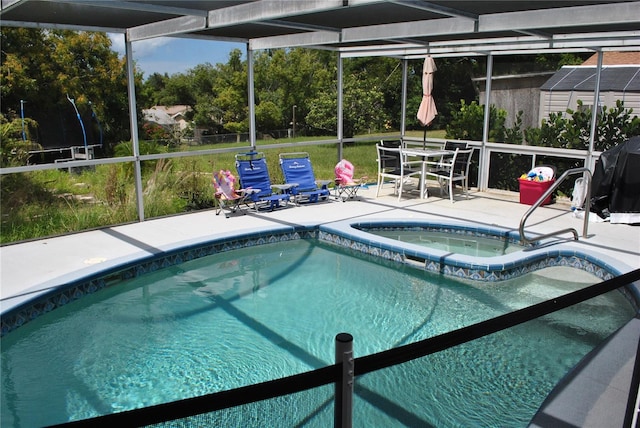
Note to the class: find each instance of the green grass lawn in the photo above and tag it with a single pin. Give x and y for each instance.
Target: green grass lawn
(324, 157)
(45, 203)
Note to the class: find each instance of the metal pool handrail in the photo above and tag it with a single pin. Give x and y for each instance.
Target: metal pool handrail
(549, 191)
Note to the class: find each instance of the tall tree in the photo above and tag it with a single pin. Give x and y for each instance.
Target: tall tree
(363, 106)
(230, 94)
(385, 75)
(151, 90)
(291, 77)
(47, 68)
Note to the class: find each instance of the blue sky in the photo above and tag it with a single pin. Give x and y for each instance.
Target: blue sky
(175, 55)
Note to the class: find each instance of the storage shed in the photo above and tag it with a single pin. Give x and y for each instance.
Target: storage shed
(515, 93)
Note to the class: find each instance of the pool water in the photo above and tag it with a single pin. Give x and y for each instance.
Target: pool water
(261, 313)
(458, 243)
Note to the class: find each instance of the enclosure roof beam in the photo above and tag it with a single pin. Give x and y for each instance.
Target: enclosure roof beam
(443, 26)
(612, 13)
(255, 12)
(316, 38)
(140, 7)
(503, 46)
(8, 4)
(436, 8)
(298, 26)
(168, 27)
(70, 27)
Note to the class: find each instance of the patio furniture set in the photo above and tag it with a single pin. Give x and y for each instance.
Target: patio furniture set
(448, 165)
(397, 163)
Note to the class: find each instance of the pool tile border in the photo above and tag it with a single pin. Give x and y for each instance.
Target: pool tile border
(54, 294)
(51, 296)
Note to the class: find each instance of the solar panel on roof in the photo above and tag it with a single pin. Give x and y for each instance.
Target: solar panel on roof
(584, 79)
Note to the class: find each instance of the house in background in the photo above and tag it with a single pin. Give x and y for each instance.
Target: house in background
(174, 117)
(619, 80)
(179, 114)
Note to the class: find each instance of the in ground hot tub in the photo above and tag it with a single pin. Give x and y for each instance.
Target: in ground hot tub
(460, 249)
(458, 240)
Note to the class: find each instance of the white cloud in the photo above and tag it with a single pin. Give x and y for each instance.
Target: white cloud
(173, 55)
(117, 42)
(142, 48)
(148, 47)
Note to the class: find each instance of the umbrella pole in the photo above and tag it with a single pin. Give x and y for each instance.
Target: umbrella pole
(424, 139)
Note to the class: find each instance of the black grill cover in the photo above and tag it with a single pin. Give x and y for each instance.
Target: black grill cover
(616, 180)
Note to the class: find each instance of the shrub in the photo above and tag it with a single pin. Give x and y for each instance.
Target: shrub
(615, 125)
(14, 147)
(515, 135)
(466, 124)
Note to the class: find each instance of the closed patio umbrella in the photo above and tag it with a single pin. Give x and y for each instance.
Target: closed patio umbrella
(427, 111)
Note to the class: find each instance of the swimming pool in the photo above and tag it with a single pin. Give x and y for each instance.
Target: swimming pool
(177, 331)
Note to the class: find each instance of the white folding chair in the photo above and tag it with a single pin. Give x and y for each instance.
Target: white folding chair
(452, 170)
(392, 164)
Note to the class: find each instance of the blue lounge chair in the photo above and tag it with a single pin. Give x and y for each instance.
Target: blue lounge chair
(297, 170)
(255, 179)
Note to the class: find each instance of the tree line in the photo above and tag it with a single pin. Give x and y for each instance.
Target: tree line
(47, 74)
(303, 82)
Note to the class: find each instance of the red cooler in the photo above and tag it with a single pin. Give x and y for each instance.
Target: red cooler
(531, 191)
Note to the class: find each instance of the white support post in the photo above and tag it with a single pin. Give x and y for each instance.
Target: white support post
(483, 180)
(403, 115)
(252, 99)
(594, 114)
(135, 142)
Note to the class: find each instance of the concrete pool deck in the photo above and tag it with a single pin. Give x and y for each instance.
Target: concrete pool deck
(31, 267)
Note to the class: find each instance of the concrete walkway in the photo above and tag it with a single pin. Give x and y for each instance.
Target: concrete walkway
(26, 266)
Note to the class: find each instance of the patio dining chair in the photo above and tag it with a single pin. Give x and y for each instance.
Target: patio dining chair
(453, 145)
(453, 170)
(393, 165)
